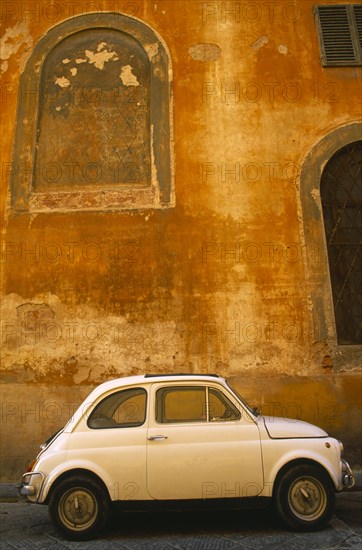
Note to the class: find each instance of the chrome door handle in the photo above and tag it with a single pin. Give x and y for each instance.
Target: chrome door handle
(157, 437)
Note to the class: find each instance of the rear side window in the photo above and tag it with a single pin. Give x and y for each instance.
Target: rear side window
(123, 409)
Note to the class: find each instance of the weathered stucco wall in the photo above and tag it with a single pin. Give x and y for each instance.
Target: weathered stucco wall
(219, 282)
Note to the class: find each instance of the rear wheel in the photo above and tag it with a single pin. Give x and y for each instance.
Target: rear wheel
(305, 498)
(79, 507)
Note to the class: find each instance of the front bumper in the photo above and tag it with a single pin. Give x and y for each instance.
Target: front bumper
(348, 479)
(31, 486)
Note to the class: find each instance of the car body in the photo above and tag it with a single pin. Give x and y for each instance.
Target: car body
(187, 439)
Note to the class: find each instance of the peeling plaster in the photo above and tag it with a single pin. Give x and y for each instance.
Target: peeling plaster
(31, 314)
(283, 49)
(101, 57)
(62, 82)
(316, 194)
(12, 41)
(48, 341)
(73, 71)
(127, 77)
(101, 46)
(205, 52)
(260, 42)
(152, 50)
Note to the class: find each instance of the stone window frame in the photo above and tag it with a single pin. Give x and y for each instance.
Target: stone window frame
(160, 194)
(315, 246)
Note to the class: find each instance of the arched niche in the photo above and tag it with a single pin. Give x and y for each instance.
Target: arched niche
(94, 121)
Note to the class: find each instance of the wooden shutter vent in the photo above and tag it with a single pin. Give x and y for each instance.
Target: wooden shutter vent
(340, 34)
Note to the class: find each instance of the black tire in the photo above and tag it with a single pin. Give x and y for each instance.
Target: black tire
(305, 498)
(79, 507)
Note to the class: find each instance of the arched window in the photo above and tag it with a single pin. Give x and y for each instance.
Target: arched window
(341, 196)
(330, 195)
(94, 119)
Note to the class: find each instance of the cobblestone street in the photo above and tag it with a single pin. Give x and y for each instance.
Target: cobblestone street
(27, 527)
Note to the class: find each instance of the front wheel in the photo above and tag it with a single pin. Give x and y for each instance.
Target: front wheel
(305, 498)
(79, 508)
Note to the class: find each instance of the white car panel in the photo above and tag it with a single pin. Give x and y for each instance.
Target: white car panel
(281, 428)
(199, 459)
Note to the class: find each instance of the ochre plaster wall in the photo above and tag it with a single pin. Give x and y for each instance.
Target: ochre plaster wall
(218, 283)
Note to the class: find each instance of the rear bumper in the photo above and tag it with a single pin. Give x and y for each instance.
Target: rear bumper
(348, 479)
(31, 486)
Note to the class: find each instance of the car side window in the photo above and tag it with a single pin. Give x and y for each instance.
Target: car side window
(189, 404)
(181, 404)
(123, 409)
(221, 408)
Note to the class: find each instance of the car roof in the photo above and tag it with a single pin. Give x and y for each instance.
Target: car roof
(149, 378)
(118, 383)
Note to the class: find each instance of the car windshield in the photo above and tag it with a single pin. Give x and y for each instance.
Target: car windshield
(253, 410)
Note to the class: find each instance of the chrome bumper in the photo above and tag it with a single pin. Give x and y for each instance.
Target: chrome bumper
(348, 479)
(31, 486)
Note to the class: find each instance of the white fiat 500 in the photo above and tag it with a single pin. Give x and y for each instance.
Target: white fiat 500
(187, 440)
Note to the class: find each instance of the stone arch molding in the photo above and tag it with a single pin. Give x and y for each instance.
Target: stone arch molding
(94, 120)
(316, 256)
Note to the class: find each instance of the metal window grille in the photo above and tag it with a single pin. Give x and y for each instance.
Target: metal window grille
(341, 195)
(340, 34)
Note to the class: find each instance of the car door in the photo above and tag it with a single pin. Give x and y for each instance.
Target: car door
(201, 444)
